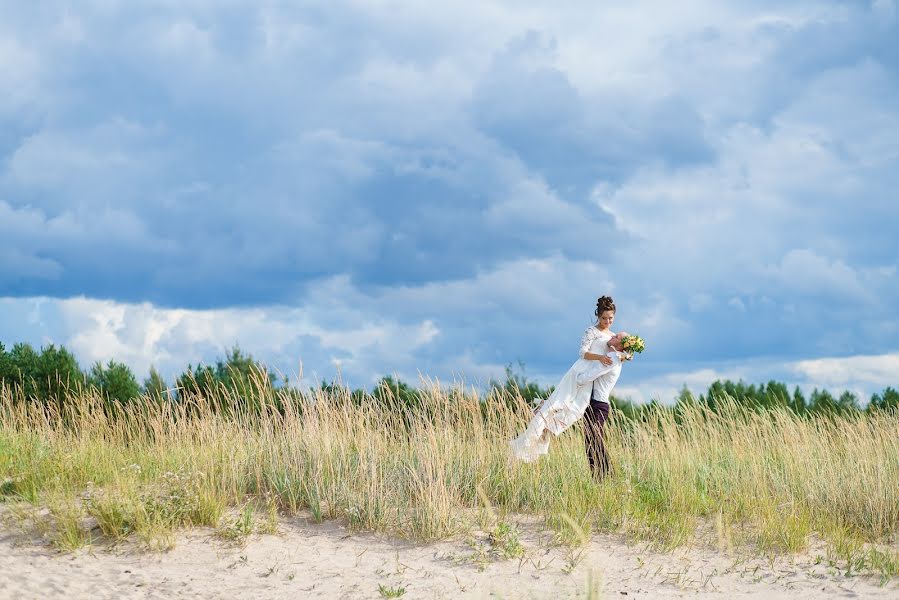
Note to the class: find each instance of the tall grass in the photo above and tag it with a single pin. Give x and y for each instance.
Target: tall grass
(767, 481)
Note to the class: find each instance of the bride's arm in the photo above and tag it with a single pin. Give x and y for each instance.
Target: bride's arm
(586, 342)
(600, 357)
(604, 359)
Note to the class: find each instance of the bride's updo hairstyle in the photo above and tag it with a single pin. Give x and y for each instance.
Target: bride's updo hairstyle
(603, 304)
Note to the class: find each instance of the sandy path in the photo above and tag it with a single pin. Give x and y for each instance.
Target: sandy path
(324, 561)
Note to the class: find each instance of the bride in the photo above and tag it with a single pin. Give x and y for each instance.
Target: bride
(588, 383)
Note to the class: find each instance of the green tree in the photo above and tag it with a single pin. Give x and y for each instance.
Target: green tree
(821, 401)
(716, 392)
(761, 396)
(739, 391)
(775, 394)
(847, 402)
(824, 401)
(58, 374)
(238, 374)
(888, 399)
(623, 407)
(25, 370)
(50, 374)
(797, 403)
(196, 381)
(154, 385)
(396, 393)
(516, 383)
(115, 381)
(685, 397)
(7, 367)
(241, 373)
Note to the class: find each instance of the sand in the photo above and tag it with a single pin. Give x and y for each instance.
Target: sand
(308, 560)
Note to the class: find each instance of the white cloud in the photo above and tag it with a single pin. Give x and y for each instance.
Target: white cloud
(786, 227)
(875, 370)
(805, 272)
(142, 335)
(665, 388)
(412, 176)
(19, 76)
(465, 328)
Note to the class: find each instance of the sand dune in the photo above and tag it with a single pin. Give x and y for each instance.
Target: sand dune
(306, 560)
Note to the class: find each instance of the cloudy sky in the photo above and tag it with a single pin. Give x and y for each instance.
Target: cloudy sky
(444, 188)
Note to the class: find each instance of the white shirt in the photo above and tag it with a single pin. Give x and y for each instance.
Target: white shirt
(602, 386)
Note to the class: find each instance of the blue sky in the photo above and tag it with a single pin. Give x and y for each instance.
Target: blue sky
(445, 188)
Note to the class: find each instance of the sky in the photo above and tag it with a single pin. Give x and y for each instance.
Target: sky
(442, 189)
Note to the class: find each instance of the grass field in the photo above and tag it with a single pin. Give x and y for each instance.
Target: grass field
(768, 482)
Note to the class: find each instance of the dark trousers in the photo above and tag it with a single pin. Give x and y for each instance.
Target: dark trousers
(594, 420)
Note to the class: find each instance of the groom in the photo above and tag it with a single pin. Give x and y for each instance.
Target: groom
(597, 412)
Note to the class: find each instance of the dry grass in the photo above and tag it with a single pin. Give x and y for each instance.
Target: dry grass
(737, 478)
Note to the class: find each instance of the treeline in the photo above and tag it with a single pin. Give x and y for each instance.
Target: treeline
(52, 374)
(775, 394)
(769, 395)
(761, 396)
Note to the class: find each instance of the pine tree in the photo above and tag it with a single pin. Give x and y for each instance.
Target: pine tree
(115, 381)
(25, 371)
(798, 402)
(888, 399)
(154, 385)
(58, 374)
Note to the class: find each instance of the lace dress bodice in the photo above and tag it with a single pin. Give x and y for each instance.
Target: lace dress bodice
(594, 341)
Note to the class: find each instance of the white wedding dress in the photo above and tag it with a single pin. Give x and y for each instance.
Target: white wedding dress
(568, 401)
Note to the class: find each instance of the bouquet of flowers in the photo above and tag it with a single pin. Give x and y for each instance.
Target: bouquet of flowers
(633, 344)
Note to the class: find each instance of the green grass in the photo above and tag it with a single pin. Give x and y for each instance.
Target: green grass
(391, 592)
(504, 539)
(769, 482)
